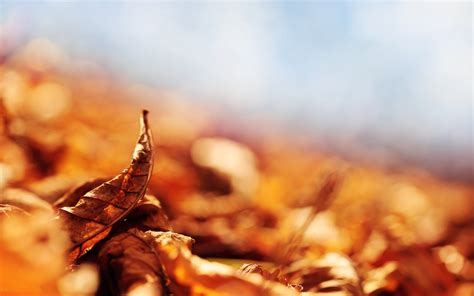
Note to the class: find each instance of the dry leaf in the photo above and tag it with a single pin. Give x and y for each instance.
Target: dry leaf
(92, 218)
(149, 215)
(128, 262)
(390, 231)
(192, 275)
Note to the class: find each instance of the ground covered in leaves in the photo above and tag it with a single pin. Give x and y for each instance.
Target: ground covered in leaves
(194, 207)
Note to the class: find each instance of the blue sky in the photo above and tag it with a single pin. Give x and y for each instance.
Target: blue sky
(398, 73)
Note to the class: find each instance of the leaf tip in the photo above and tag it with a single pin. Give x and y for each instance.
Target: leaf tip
(144, 118)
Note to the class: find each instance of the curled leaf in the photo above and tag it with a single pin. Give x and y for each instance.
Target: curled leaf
(92, 218)
(149, 214)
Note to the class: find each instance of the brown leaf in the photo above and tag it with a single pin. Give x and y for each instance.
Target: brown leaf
(192, 275)
(91, 219)
(127, 262)
(149, 214)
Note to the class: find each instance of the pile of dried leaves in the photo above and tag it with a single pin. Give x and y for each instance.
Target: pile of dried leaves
(199, 212)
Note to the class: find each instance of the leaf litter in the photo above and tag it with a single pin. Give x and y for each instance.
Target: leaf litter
(202, 211)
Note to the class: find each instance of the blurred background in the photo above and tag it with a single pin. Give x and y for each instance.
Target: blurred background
(383, 81)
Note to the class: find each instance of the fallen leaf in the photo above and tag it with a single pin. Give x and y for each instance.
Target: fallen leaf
(149, 215)
(128, 262)
(192, 275)
(92, 218)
